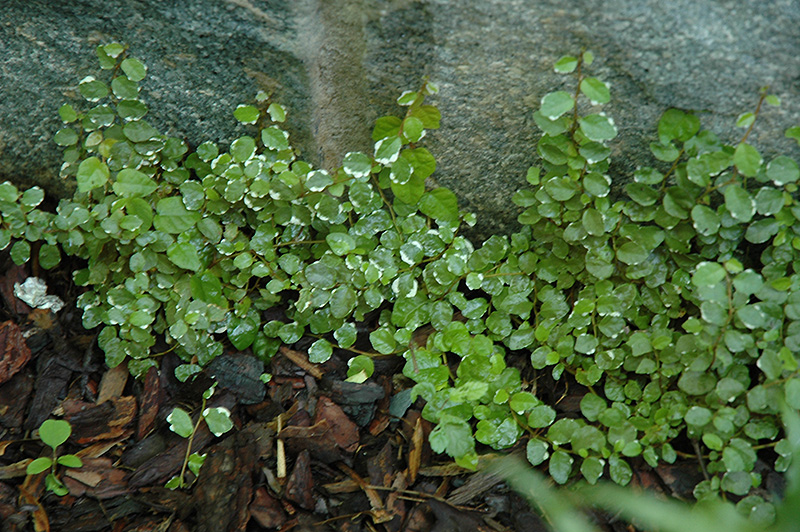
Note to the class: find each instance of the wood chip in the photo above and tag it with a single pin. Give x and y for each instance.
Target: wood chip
(300, 486)
(113, 383)
(14, 352)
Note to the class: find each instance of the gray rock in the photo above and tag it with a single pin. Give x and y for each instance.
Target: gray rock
(338, 64)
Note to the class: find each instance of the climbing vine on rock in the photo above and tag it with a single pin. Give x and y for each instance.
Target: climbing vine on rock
(673, 310)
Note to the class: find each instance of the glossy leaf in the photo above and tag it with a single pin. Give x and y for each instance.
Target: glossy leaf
(92, 173)
(180, 423)
(218, 420)
(54, 432)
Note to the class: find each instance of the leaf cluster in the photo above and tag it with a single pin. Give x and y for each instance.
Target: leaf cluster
(562, 507)
(673, 311)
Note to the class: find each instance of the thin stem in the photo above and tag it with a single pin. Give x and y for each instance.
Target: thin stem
(191, 440)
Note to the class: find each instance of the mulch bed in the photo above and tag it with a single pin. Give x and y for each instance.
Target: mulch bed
(309, 451)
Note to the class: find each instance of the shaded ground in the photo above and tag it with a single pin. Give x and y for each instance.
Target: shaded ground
(356, 456)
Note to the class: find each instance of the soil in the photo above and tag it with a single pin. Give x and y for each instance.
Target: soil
(308, 452)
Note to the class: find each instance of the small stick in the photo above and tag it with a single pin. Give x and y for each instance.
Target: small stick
(301, 360)
(281, 452)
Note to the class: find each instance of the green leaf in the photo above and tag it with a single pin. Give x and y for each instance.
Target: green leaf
(386, 126)
(320, 351)
(769, 201)
(70, 460)
(423, 162)
(382, 340)
(67, 113)
(413, 129)
(133, 183)
(54, 432)
(739, 203)
(648, 176)
(597, 184)
(387, 150)
(39, 465)
(565, 65)
(664, 152)
(598, 127)
(792, 393)
(675, 124)
(400, 171)
(242, 331)
(340, 243)
(439, 204)
(541, 416)
(343, 301)
(407, 98)
(32, 197)
(453, 436)
(592, 469)
(705, 220)
(346, 335)
(521, 402)
(697, 382)
(782, 170)
(556, 104)
(320, 275)
(737, 482)
(429, 115)
(139, 131)
(592, 406)
(595, 90)
(20, 252)
(92, 90)
(243, 149)
(134, 69)
(551, 127)
(356, 164)
(593, 222)
(184, 255)
(619, 470)
(92, 173)
(173, 217)
(536, 451)
(359, 369)
(275, 138)
(207, 151)
(276, 112)
(66, 137)
(49, 256)
(52, 483)
(632, 253)
(761, 231)
(708, 274)
(131, 109)
(124, 89)
(747, 159)
(560, 466)
(642, 194)
(195, 462)
(218, 420)
(745, 120)
(180, 423)
(793, 133)
(246, 114)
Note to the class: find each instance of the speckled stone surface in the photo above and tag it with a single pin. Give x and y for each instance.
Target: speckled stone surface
(338, 64)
